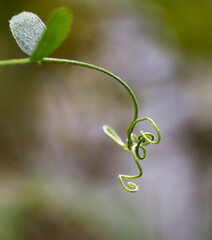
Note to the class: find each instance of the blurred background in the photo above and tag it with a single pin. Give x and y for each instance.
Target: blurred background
(58, 171)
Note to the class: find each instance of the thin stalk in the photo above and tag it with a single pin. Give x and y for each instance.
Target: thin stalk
(14, 62)
(100, 69)
(77, 63)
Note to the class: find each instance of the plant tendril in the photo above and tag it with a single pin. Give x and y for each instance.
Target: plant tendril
(134, 143)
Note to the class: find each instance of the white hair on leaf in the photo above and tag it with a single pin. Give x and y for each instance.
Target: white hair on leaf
(27, 29)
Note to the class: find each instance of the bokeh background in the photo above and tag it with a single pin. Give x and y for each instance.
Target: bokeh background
(58, 171)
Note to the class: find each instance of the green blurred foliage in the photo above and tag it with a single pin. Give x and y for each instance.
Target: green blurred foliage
(182, 23)
(42, 210)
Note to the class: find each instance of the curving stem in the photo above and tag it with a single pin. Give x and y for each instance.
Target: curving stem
(134, 143)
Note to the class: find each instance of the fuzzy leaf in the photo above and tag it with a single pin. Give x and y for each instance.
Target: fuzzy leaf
(27, 29)
(57, 29)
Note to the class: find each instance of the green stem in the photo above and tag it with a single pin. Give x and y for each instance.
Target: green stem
(14, 62)
(77, 63)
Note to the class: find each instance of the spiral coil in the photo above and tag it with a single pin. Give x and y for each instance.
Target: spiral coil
(134, 144)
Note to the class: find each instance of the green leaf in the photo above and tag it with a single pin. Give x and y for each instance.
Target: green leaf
(57, 30)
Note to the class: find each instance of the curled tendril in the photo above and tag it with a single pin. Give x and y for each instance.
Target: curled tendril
(134, 144)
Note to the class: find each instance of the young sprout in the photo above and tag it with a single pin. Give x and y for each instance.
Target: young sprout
(39, 41)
